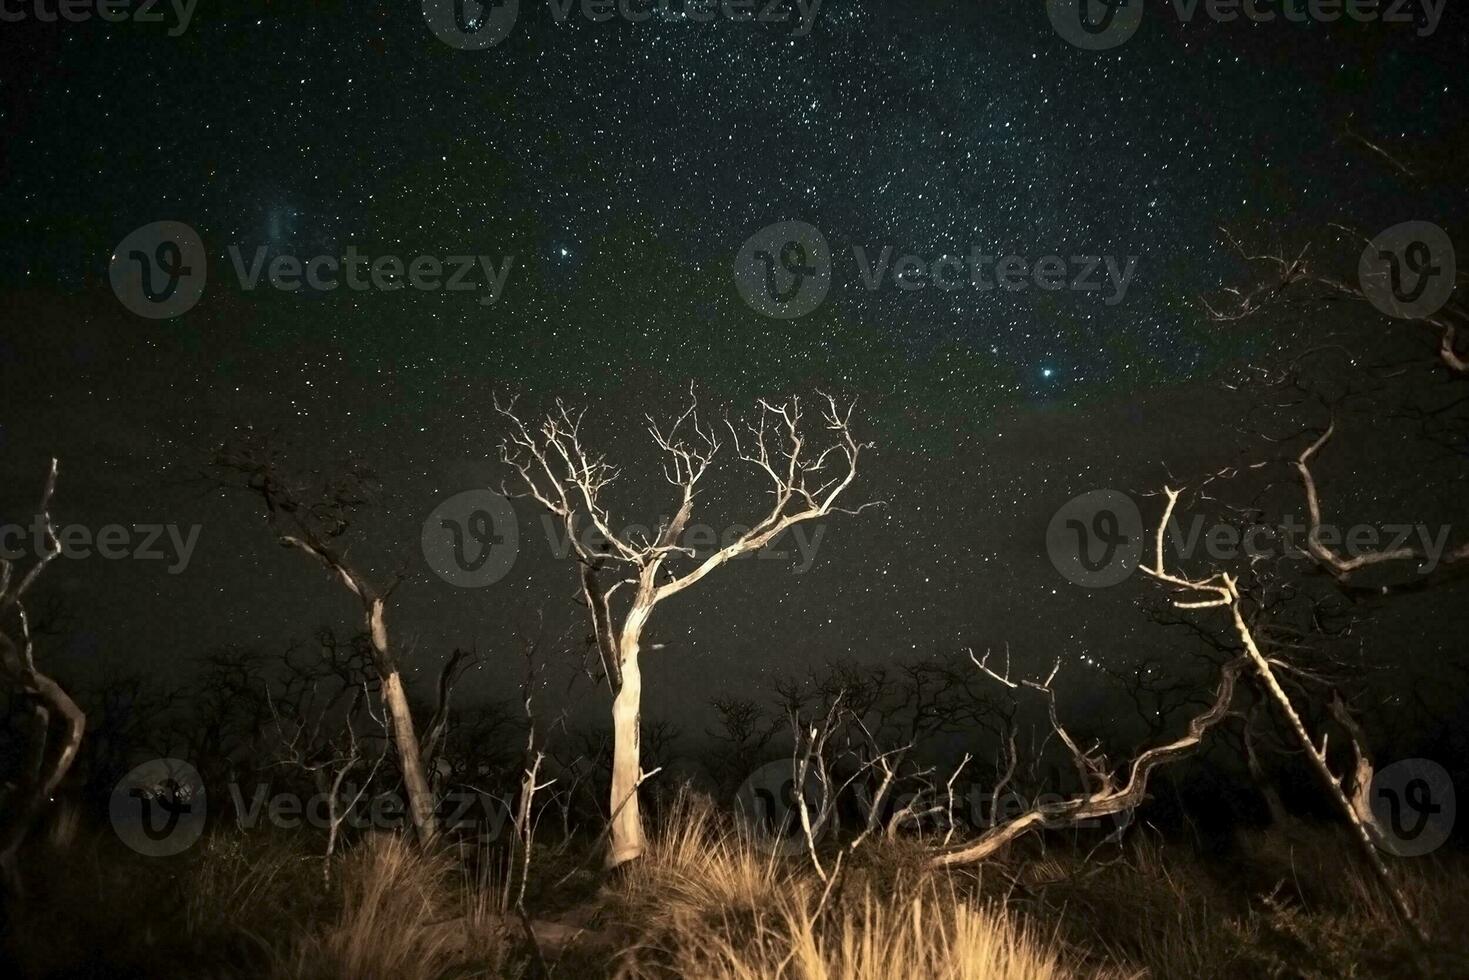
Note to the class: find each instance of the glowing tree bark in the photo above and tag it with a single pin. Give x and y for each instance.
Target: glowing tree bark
(559, 473)
(1222, 591)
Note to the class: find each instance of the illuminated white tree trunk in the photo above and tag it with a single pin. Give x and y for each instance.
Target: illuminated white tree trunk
(626, 841)
(559, 474)
(395, 699)
(415, 782)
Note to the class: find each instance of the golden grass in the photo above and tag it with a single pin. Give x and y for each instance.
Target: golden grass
(698, 863)
(711, 904)
(708, 902)
(402, 918)
(930, 935)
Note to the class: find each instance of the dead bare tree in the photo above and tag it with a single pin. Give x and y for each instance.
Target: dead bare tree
(1372, 384)
(1298, 277)
(524, 817)
(1103, 791)
(1221, 591)
(564, 477)
(312, 519)
(50, 753)
(809, 761)
(321, 702)
(880, 716)
(328, 759)
(741, 736)
(453, 670)
(1304, 277)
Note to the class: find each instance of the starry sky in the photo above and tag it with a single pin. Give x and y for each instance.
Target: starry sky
(623, 165)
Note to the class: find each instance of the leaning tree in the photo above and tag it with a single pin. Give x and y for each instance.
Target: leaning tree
(625, 575)
(1333, 426)
(311, 516)
(57, 723)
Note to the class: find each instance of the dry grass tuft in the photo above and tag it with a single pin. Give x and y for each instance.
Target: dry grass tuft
(403, 917)
(932, 935)
(712, 904)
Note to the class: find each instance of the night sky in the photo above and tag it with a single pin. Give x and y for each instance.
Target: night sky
(623, 166)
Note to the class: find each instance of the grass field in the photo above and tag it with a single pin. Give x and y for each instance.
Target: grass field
(707, 902)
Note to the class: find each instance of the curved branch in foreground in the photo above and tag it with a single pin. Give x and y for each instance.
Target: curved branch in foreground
(1108, 799)
(1224, 588)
